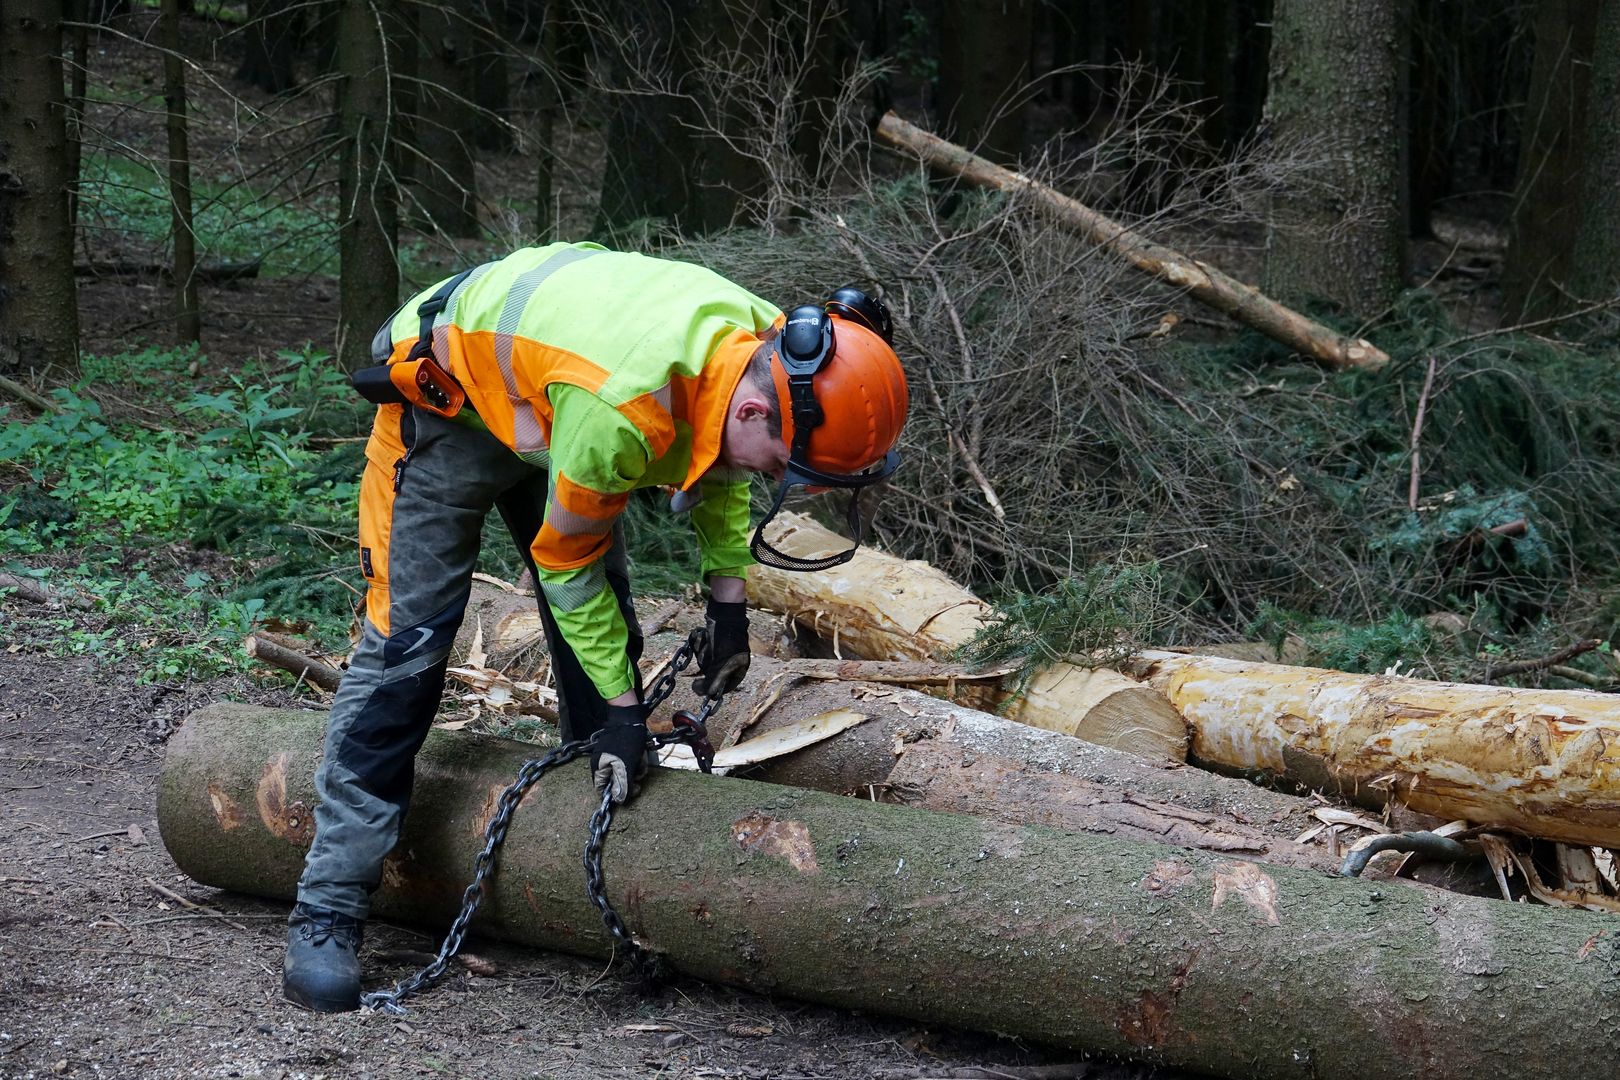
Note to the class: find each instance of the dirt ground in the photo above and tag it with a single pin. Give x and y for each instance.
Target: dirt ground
(104, 973)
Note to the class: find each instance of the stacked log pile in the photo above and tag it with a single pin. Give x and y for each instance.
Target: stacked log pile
(1542, 762)
(1011, 877)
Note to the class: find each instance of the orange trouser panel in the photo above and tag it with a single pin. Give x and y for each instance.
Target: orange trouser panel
(384, 451)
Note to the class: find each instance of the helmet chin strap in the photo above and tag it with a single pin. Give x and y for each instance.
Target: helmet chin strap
(800, 475)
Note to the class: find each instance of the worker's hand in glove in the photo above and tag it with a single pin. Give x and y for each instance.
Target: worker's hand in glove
(619, 758)
(723, 657)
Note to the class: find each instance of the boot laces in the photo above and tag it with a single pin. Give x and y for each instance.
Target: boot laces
(318, 927)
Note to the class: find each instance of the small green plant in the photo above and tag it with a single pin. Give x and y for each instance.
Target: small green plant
(232, 220)
(1096, 619)
(1396, 641)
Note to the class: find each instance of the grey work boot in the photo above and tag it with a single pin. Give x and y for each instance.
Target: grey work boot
(322, 967)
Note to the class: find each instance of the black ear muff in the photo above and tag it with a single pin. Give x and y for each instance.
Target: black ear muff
(806, 340)
(853, 304)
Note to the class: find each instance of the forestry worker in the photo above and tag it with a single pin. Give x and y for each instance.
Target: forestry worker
(549, 385)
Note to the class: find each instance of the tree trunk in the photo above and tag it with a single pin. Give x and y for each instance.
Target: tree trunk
(39, 319)
(885, 608)
(936, 755)
(1088, 943)
(446, 190)
(1338, 93)
(548, 100)
(1545, 220)
(648, 172)
(188, 321)
(271, 38)
(368, 211)
(492, 91)
(983, 74)
(738, 36)
(1542, 762)
(1202, 281)
(78, 79)
(1596, 272)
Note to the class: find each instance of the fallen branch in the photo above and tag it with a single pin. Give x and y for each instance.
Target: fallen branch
(208, 273)
(39, 593)
(22, 393)
(1586, 678)
(1519, 667)
(1202, 281)
(265, 649)
(1417, 436)
(192, 905)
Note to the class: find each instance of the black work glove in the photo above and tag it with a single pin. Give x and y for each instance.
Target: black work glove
(723, 657)
(619, 758)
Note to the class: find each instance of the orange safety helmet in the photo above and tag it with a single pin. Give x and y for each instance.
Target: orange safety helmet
(862, 392)
(843, 400)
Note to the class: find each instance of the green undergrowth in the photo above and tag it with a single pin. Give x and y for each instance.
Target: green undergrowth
(133, 514)
(1095, 618)
(233, 220)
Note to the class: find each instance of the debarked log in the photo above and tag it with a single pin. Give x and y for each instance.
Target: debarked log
(883, 608)
(1084, 942)
(1543, 762)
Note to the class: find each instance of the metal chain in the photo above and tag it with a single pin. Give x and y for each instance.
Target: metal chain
(691, 731)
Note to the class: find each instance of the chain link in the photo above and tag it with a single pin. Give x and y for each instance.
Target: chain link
(389, 1001)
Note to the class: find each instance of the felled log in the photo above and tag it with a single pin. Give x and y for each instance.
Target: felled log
(1543, 762)
(1202, 281)
(1084, 942)
(209, 273)
(883, 608)
(936, 755)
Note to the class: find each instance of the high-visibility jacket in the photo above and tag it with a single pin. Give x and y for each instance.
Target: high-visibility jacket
(613, 371)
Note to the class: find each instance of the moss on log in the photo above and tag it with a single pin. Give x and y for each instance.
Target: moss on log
(1079, 941)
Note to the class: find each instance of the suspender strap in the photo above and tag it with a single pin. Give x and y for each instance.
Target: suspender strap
(428, 311)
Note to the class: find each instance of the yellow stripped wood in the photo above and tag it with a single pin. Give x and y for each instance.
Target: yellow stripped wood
(1544, 762)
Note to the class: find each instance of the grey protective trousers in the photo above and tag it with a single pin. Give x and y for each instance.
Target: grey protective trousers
(448, 481)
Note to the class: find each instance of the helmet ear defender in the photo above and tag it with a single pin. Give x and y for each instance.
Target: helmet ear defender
(807, 344)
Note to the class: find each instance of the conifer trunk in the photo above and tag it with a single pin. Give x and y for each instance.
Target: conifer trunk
(1596, 274)
(39, 318)
(368, 201)
(1338, 91)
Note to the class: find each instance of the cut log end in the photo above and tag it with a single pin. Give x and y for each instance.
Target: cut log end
(1105, 708)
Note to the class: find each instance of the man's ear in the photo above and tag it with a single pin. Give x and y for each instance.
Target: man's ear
(751, 408)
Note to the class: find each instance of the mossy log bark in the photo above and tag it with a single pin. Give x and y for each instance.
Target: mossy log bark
(921, 751)
(1543, 762)
(1083, 942)
(884, 608)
